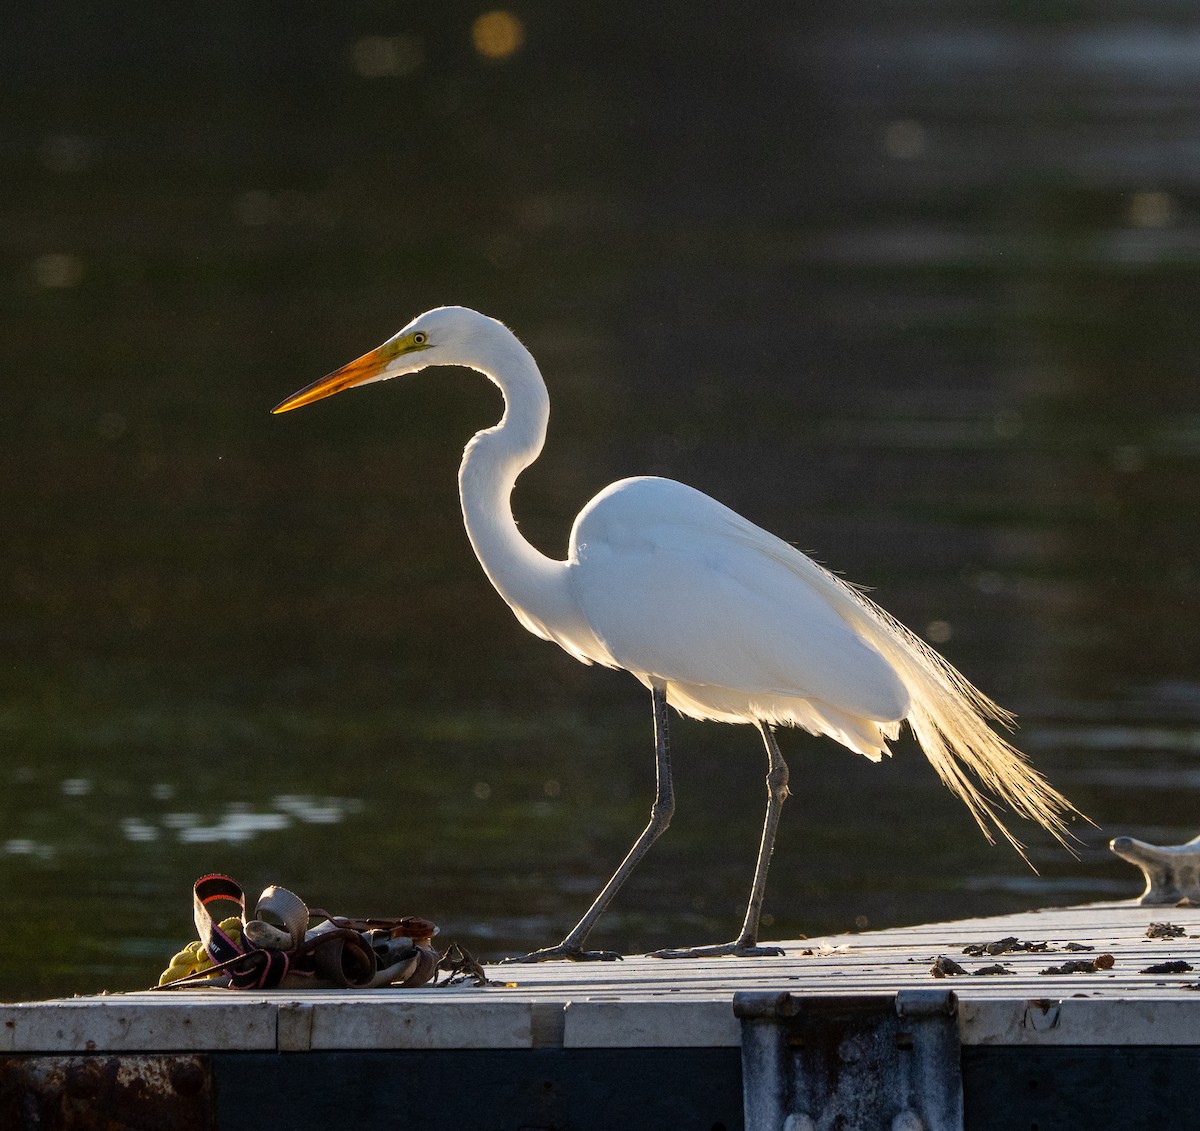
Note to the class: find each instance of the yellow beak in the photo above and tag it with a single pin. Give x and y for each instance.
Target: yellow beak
(355, 373)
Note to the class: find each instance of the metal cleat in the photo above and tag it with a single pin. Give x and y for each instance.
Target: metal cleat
(1172, 871)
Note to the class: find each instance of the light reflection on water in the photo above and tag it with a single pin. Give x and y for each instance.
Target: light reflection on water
(23, 846)
(1115, 736)
(241, 822)
(237, 823)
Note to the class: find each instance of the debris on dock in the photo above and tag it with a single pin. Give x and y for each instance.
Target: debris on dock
(1164, 931)
(1082, 965)
(944, 967)
(1009, 945)
(1176, 967)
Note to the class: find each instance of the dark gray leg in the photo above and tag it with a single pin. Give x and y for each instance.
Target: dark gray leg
(660, 817)
(746, 944)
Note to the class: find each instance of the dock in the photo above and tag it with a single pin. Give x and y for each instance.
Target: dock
(795, 1042)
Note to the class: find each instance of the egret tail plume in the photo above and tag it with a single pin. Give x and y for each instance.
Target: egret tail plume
(950, 718)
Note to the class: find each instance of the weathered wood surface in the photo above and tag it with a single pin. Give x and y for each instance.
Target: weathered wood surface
(647, 1002)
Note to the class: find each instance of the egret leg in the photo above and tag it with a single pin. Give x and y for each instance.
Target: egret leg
(660, 817)
(746, 944)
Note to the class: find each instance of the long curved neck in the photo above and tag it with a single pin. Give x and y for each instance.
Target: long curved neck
(491, 463)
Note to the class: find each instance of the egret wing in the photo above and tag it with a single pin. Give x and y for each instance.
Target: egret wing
(680, 588)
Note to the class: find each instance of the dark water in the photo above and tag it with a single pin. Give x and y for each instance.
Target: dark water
(914, 288)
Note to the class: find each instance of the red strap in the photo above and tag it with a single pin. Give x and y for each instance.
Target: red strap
(259, 969)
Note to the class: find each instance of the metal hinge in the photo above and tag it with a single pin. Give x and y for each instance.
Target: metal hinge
(877, 1063)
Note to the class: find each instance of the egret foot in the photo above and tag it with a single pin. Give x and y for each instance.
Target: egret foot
(730, 949)
(564, 953)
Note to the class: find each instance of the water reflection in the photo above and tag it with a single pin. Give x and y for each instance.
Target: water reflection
(1148, 738)
(22, 846)
(916, 294)
(240, 822)
(236, 822)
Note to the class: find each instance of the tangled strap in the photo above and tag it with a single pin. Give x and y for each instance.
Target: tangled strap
(259, 954)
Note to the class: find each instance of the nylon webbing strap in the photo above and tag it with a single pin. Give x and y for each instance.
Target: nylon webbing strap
(276, 942)
(288, 908)
(257, 969)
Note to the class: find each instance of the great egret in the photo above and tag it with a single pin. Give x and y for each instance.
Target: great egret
(718, 618)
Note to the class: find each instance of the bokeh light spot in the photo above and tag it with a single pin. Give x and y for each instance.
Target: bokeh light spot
(111, 426)
(57, 271)
(255, 208)
(989, 582)
(905, 139)
(66, 153)
(938, 631)
(1152, 209)
(498, 34)
(387, 56)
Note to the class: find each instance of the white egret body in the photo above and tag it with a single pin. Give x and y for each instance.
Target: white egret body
(720, 619)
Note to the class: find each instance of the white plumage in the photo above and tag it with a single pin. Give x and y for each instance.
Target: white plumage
(682, 590)
(719, 618)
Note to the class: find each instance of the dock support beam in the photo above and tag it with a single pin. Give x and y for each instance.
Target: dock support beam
(874, 1063)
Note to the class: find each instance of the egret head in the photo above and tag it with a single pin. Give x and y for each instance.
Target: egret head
(449, 335)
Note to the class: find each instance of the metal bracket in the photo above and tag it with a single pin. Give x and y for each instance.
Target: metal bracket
(1172, 871)
(873, 1063)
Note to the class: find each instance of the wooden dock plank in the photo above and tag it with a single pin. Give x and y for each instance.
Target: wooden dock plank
(646, 1002)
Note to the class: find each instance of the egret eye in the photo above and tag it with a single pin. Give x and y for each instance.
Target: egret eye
(420, 338)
